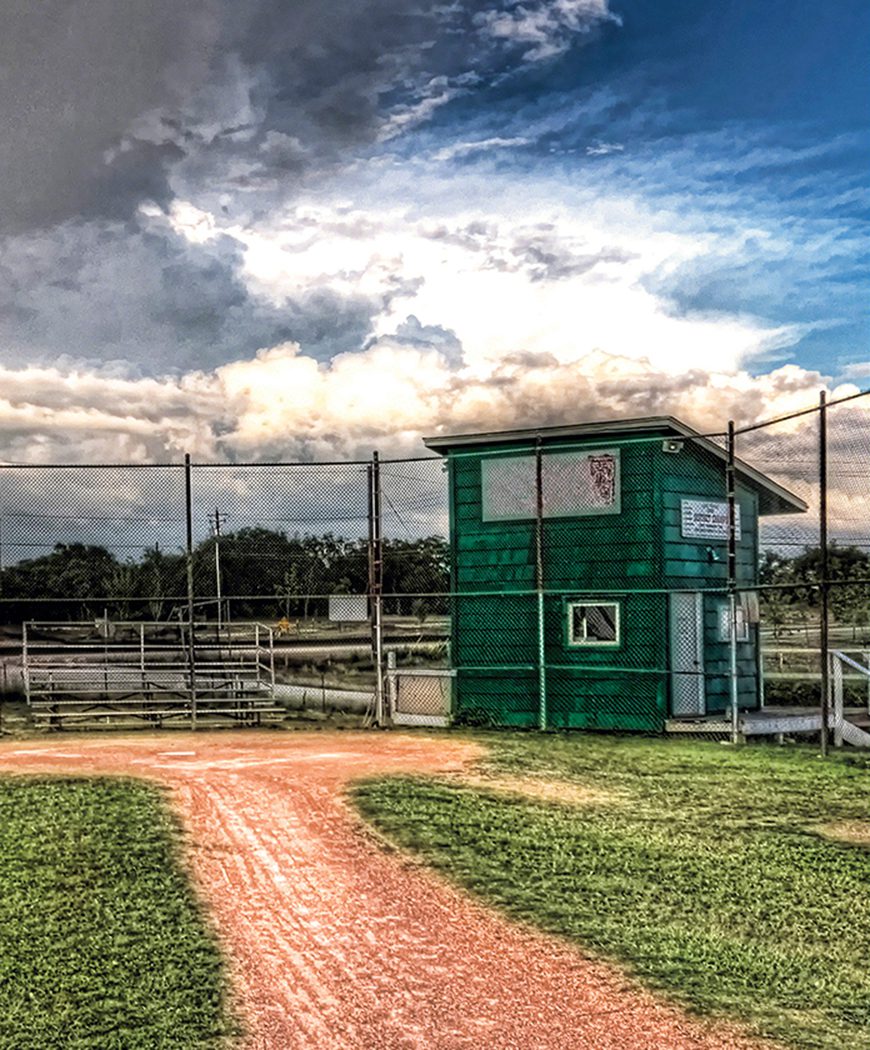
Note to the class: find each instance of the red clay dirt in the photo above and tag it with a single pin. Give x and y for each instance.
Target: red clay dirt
(336, 943)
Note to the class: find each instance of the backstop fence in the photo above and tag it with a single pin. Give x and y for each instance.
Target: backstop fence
(624, 576)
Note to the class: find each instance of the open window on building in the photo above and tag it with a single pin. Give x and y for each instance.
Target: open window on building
(593, 624)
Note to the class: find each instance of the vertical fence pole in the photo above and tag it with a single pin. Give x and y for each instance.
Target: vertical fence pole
(731, 490)
(837, 689)
(217, 566)
(865, 657)
(25, 662)
(188, 516)
(142, 658)
(376, 581)
(539, 583)
(392, 683)
(824, 603)
(271, 665)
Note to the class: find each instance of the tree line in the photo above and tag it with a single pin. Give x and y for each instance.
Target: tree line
(271, 574)
(791, 593)
(262, 573)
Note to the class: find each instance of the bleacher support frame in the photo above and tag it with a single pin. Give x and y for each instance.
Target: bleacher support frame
(111, 673)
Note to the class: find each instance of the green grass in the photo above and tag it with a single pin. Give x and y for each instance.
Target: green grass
(102, 944)
(702, 874)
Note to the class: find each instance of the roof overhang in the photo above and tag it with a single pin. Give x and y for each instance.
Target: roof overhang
(773, 497)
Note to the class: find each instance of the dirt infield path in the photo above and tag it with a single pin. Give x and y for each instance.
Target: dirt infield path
(338, 943)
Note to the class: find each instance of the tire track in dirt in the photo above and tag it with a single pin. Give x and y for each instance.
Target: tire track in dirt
(338, 944)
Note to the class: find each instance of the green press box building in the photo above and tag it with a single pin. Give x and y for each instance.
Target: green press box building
(634, 624)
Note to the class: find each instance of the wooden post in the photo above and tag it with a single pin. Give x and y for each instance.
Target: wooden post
(824, 569)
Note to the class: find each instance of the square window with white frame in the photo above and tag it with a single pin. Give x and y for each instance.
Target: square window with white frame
(592, 624)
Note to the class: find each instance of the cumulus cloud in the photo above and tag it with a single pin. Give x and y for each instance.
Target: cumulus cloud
(283, 404)
(67, 413)
(561, 283)
(856, 370)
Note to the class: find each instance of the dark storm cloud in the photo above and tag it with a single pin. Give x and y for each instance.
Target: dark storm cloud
(253, 96)
(73, 76)
(118, 292)
(108, 104)
(411, 333)
(103, 99)
(303, 88)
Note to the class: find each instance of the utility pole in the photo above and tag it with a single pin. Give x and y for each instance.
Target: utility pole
(217, 522)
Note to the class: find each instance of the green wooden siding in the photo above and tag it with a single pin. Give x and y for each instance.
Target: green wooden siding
(633, 557)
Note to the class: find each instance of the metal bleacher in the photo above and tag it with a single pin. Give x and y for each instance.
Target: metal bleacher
(117, 673)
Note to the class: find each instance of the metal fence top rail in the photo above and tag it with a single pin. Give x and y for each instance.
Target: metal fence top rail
(92, 466)
(801, 412)
(216, 464)
(97, 621)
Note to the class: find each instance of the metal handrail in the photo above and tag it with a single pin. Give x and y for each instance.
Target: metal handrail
(837, 659)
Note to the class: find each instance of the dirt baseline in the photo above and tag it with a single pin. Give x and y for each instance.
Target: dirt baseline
(338, 944)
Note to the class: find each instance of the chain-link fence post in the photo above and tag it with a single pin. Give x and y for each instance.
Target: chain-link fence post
(191, 655)
(730, 487)
(539, 583)
(824, 572)
(376, 581)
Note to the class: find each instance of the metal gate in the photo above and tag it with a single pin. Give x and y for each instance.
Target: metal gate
(420, 697)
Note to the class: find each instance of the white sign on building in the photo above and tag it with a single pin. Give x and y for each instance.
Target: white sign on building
(348, 608)
(707, 519)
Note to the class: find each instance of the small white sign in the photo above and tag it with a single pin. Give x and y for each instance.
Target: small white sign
(348, 608)
(707, 519)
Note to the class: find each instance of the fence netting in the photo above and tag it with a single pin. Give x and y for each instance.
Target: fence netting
(639, 578)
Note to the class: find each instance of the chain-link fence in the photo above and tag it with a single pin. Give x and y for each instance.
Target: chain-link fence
(632, 575)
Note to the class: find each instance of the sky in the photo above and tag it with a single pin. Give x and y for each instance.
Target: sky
(281, 230)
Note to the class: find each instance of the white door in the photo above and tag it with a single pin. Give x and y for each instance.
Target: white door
(687, 654)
